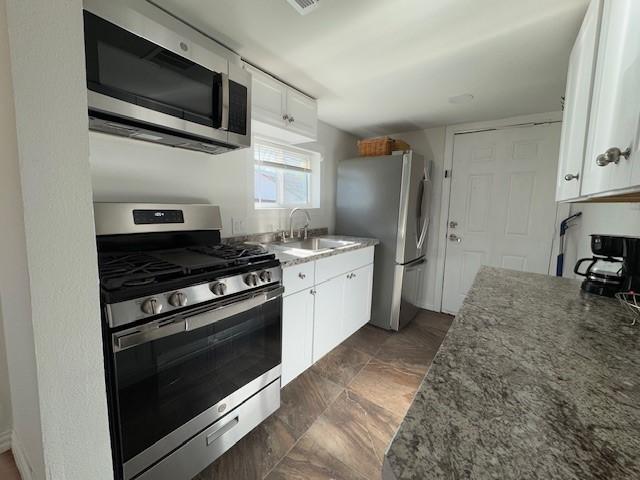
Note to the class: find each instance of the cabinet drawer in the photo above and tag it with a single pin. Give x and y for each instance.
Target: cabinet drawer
(298, 277)
(330, 267)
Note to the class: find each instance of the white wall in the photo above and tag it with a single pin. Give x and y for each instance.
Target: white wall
(125, 170)
(430, 144)
(15, 302)
(49, 85)
(605, 218)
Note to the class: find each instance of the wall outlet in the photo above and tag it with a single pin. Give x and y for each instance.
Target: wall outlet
(237, 226)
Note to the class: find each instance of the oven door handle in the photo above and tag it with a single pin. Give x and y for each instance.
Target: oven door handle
(162, 328)
(210, 317)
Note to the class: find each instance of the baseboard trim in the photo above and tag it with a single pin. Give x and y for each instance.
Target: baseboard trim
(21, 459)
(5, 441)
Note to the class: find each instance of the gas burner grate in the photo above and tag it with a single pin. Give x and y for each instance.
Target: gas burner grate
(232, 252)
(134, 269)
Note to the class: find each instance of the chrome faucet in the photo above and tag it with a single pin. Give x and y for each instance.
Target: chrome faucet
(306, 225)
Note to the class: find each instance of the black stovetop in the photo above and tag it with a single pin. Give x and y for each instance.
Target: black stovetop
(130, 274)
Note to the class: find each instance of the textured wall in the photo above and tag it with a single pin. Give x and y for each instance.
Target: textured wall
(15, 307)
(46, 40)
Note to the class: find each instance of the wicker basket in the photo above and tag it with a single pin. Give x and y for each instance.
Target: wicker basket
(373, 147)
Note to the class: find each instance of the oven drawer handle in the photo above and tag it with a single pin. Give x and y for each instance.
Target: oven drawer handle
(161, 329)
(212, 316)
(213, 436)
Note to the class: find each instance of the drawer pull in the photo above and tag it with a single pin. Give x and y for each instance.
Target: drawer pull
(213, 436)
(570, 176)
(302, 276)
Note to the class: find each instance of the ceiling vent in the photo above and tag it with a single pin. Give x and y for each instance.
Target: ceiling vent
(304, 6)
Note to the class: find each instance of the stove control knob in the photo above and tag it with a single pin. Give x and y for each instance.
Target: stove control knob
(151, 306)
(265, 276)
(178, 299)
(218, 288)
(251, 280)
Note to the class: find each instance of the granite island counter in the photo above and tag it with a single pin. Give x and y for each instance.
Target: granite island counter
(535, 380)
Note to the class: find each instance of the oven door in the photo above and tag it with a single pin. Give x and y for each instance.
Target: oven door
(175, 376)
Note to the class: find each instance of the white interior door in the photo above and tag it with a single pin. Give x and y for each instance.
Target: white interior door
(502, 208)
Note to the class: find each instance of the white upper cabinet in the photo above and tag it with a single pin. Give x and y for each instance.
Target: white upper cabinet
(610, 163)
(281, 112)
(302, 114)
(616, 103)
(577, 105)
(268, 99)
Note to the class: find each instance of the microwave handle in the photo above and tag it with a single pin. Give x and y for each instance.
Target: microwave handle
(224, 121)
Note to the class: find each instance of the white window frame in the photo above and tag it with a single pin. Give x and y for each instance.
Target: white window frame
(314, 177)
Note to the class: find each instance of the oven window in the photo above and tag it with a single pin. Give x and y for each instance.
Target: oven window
(165, 383)
(126, 66)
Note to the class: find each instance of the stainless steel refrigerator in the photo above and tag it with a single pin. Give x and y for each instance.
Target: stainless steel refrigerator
(388, 198)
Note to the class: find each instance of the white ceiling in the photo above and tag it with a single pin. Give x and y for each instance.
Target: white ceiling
(383, 66)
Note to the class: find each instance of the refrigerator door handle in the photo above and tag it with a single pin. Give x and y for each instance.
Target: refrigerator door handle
(423, 225)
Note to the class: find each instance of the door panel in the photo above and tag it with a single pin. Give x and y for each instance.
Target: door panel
(616, 99)
(357, 299)
(297, 334)
(502, 208)
(268, 99)
(328, 316)
(577, 105)
(303, 114)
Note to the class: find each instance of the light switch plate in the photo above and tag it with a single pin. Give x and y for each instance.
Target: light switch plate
(238, 226)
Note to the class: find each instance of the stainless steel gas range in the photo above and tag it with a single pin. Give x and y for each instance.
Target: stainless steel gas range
(192, 335)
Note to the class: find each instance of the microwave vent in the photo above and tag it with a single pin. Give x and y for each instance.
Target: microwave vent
(165, 57)
(304, 6)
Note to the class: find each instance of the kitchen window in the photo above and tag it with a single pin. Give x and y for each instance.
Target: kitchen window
(285, 176)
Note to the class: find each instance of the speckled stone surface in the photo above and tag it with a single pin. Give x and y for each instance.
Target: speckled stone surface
(289, 258)
(535, 380)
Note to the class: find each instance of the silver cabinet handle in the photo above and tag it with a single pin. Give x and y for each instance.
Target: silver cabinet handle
(612, 155)
(453, 224)
(291, 120)
(302, 276)
(570, 176)
(454, 238)
(312, 292)
(285, 117)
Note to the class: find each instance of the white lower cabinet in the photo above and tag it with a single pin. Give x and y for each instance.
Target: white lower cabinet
(317, 319)
(357, 300)
(328, 316)
(297, 334)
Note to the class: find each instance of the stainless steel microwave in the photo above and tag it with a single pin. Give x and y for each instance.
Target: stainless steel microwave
(151, 77)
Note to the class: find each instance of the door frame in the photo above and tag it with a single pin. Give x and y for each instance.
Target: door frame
(451, 132)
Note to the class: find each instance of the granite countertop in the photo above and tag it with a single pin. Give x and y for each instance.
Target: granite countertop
(289, 257)
(535, 380)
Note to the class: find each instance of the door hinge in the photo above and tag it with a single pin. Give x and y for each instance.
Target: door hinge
(447, 174)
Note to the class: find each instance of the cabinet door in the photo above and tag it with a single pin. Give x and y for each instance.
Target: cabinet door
(328, 316)
(577, 104)
(615, 110)
(297, 334)
(268, 99)
(357, 300)
(303, 114)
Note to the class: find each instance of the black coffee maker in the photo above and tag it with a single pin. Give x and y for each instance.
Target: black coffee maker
(614, 267)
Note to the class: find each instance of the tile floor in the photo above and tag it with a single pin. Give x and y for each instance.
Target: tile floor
(8, 469)
(337, 418)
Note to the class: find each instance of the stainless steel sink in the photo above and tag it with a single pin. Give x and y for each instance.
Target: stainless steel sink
(317, 244)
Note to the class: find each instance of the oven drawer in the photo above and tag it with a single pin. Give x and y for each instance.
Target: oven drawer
(298, 277)
(203, 449)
